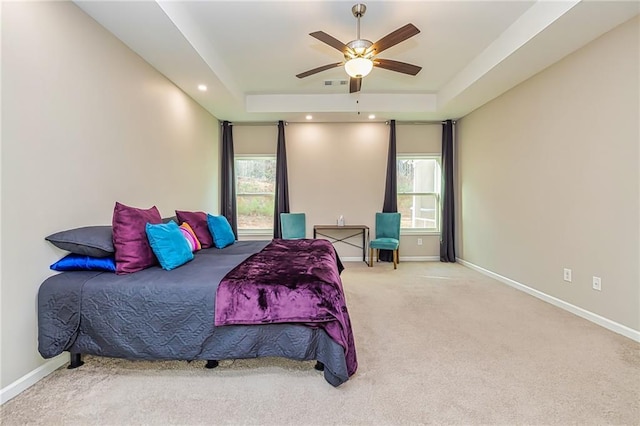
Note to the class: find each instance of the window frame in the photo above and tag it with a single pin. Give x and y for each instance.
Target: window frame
(252, 231)
(437, 195)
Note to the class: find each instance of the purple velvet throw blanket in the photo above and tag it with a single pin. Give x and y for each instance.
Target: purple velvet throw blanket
(292, 281)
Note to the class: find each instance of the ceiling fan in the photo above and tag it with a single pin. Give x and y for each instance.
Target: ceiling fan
(360, 54)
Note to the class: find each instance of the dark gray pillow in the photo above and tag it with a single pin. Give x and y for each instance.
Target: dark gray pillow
(169, 219)
(95, 241)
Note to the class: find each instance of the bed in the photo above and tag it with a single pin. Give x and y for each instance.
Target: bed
(224, 304)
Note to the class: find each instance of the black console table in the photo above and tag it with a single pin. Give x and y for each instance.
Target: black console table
(356, 230)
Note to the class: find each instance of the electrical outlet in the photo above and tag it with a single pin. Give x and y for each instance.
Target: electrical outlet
(419, 241)
(567, 274)
(597, 283)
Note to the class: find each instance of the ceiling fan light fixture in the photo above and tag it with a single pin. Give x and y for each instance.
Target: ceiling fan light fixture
(358, 67)
(359, 47)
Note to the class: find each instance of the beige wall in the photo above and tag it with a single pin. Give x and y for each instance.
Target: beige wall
(85, 123)
(548, 179)
(255, 139)
(339, 169)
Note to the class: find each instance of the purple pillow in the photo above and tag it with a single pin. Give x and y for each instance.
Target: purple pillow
(198, 222)
(133, 252)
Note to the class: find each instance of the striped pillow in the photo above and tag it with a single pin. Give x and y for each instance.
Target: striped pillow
(190, 236)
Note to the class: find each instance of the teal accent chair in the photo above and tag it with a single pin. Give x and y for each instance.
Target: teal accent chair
(293, 226)
(387, 236)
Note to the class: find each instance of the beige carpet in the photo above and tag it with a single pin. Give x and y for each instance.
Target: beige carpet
(437, 344)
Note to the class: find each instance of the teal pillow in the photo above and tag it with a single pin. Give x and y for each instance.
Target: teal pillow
(221, 230)
(168, 244)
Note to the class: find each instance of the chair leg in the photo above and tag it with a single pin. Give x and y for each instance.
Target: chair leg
(395, 259)
(370, 257)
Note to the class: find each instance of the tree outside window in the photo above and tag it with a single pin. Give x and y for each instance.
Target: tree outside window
(419, 192)
(255, 192)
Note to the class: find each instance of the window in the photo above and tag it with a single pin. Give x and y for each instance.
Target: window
(255, 192)
(419, 192)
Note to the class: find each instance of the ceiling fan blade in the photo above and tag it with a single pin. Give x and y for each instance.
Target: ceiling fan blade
(391, 39)
(397, 66)
(355, 84)
(319, 69)
(330, 40)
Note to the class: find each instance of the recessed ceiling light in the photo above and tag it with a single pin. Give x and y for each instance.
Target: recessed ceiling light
(309, 117)
(202, 87)
(372, 116)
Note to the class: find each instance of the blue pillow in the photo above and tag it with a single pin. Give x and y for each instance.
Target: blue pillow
(79, 262)
(168, 244)
(221, 230)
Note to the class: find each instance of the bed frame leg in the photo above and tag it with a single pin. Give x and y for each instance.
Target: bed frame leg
(75, 360)
(211, 363)
(319, 366)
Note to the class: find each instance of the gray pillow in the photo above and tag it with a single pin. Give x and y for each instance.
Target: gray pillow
(95, 241)
(169, 219)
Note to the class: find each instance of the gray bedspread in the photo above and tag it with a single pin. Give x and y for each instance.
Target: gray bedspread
(158, 314)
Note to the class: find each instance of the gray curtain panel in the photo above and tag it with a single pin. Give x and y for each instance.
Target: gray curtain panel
(447, 231)
(282, 182)
(228, 178)
(390, 204)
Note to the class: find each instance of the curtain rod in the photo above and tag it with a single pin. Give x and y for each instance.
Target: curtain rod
(422, 122)
(271, 123)
(252, 123)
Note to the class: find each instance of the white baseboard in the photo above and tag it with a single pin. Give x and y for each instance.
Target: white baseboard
(351, 259)
(29, 379)
(583, 313)
(402, 259)
(419, 258)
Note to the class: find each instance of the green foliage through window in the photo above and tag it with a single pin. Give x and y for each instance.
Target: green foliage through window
(419, 191)
(255, 192)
